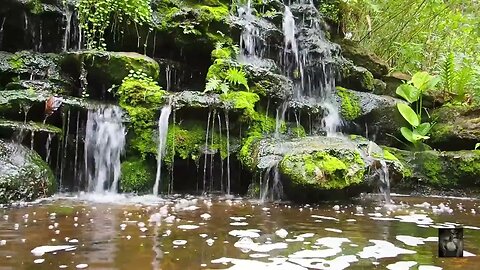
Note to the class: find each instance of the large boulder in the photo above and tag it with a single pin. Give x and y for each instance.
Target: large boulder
(457, 126)
(357, 78)
(108, 68)
(447, 172)
(24, 176)
(363, 58)
(319, 167)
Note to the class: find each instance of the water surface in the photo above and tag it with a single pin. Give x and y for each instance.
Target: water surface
(96, 232)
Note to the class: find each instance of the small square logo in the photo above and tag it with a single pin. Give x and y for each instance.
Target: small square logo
(450, 242)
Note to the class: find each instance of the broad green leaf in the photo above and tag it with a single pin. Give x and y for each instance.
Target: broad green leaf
(408, 92)
(421, 79)
(432, 83)
(407, 134)
(423, 129)
(408, 114)
(418, 137)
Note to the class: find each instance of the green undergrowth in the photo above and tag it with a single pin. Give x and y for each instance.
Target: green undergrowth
(141, 97)
(137, 176)
(187, 141)
(350, 107)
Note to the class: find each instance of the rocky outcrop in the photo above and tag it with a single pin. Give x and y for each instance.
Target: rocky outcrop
(443, 171)
(363, 58)
(23, 174)
(457, 126)
(318, 165)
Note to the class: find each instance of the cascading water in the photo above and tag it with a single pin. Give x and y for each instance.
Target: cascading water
(162, 143)
(104, 144)
(384, 181)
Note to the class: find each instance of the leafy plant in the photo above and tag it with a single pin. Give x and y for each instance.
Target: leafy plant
(412, 92)
(233, 76)
(477, 145)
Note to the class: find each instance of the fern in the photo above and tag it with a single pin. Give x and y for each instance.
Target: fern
(237, 76)
(448, 73)
(212, 84)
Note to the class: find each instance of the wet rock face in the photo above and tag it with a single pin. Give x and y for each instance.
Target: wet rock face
(458, 126)
(444, 171)
(23, 174)
(318, 165)
(363, 58)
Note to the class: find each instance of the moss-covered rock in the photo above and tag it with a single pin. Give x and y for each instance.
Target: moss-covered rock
(349, 104)
(357, 78)
(141, 98)
(324, 170)
(108, 68)
(137, 176)
(363, 58)
(23, 174)
(457, 126)
(443, 171)
(11, 126)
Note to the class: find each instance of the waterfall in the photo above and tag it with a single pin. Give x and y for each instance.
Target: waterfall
(308, 61)
(1, 31)
(251, 44)
(162, 142)
(271, 191)
(280, 118)
(104, 144)
(66, 37)
(384, 181)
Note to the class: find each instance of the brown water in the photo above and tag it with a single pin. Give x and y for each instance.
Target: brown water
(110, 235)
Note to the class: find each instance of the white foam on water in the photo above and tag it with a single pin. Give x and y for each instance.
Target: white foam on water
(416, 218)
(332, 242)
(429, 267)
(39, 251)
(81, 266)
(317, 253)
(403, 265)
(410, 240)
(188, 227)
(245, 233)
(306, 235)
(384, 218)
(179, 242)
(38, 261)
(246, 244)
(382, 249)
(468, 254)
(259, 255)
(333, 230)
(324, 217)
(282, 233)
(111, 198)
(239, 224)
(471, 227)
(242, 264)
(337, 263)
(238, 218)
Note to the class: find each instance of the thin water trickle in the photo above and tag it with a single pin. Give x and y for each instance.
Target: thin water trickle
(280, 118)
(384, 177)
(205, 150)
(104, 145)
(68, 21)
(227, 126)
(1, 31)
(48, 148)
(271, 186)
(162, 143)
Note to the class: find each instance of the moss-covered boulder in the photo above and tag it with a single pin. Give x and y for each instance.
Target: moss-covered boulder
(108, 68)
(357, 78)
(24, 176)
(448, 172)
(363, 58)
(317, 167)
(137, 176)
(457, 126)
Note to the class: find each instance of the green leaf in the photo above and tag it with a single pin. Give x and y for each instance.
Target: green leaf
(224, 87)
(423, 129)
(417, 137)
(212, 84)
(408, 92)
(421, 79)
(408, 114)
(477, 145)
(407, 134)
(237, 76)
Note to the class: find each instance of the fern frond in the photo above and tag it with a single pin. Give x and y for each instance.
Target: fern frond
(212, 85)
(237, 76)
(448, 73)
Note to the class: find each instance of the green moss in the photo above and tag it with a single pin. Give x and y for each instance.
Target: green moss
(389, 156)
(187, 141)
(244, 101)
(350, 107)
(299, 131)
(16, 62)
(141, 98)
(432, 167)
(137, 176)
(324, 170)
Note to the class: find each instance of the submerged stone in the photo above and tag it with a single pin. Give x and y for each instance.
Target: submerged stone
(24, 176)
